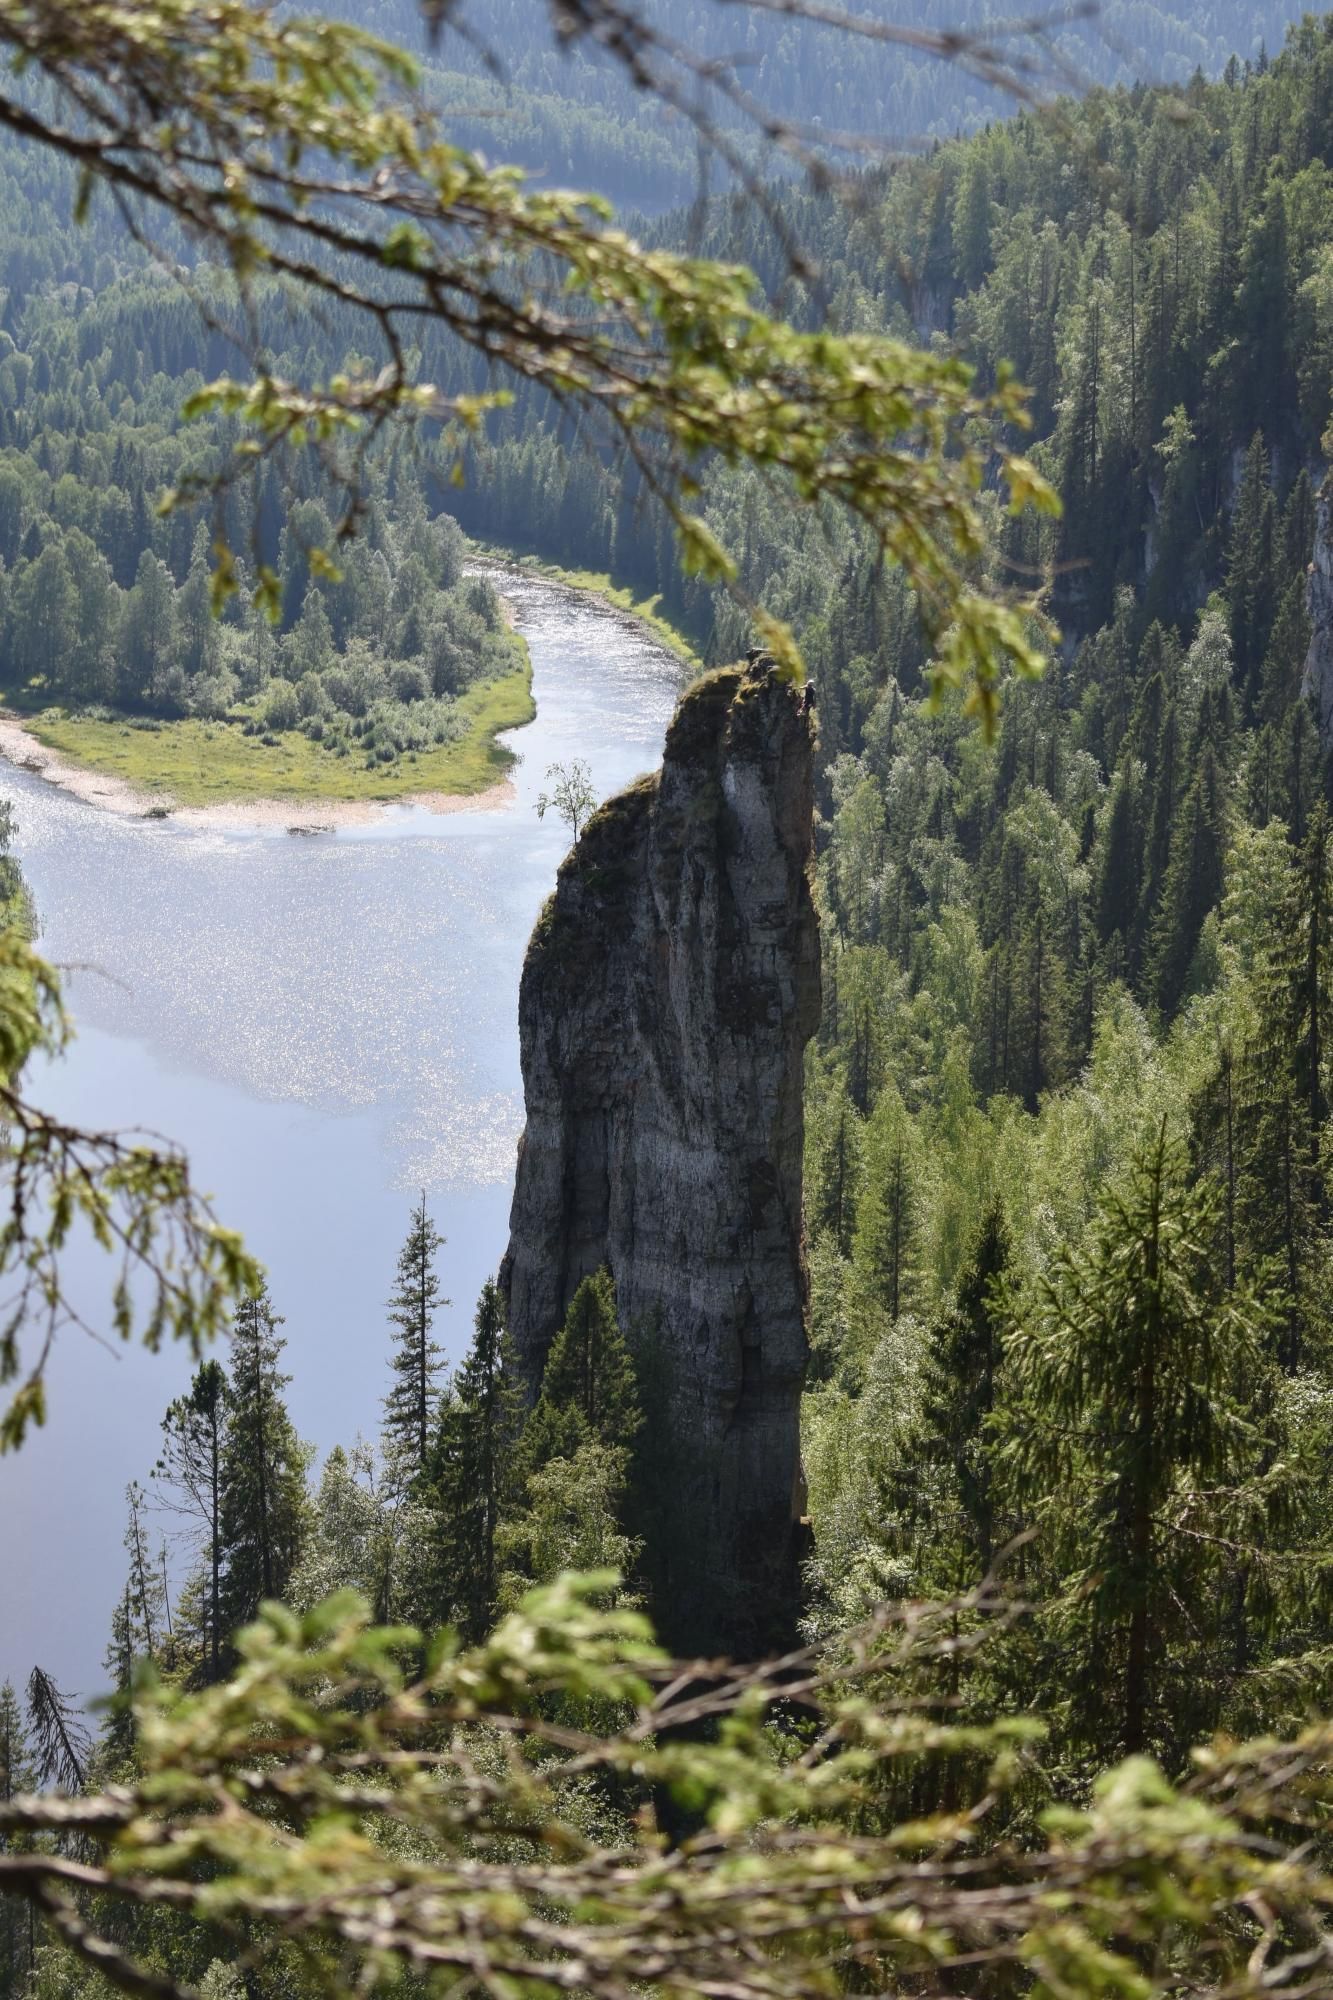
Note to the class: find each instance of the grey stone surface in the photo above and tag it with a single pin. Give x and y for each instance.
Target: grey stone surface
(669, 990)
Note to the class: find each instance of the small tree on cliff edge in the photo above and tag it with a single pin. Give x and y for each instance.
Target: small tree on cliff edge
(410, 1404)
(571, 795)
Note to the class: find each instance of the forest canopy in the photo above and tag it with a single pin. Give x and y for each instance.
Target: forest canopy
(1069, 1403)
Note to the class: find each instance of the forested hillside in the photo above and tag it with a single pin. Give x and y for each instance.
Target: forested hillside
(1067, 1193)
(1082, 982)
(1038, 957)
(106, 603)
(571, 114)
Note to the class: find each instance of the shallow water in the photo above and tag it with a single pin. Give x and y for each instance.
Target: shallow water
(326, 1025)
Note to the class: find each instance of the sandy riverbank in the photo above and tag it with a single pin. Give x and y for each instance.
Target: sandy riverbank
(100, 788)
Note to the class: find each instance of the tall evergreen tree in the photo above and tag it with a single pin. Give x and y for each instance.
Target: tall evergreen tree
(409, 1408)
(1283, 1197)
(58, 1735)
(118, 1661)
(589, 1369)
(190, 1469)
(1251, 576)
(18, 1774)
(884, 1247)
(263, 1469)
(962, 1366)
(473, 1469)
(1193, 882)
(145, 1588)
(1135, 1376)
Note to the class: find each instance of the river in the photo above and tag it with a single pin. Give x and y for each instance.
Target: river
(326, 1025)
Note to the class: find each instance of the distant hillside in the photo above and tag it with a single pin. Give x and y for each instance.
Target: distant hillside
(570, 115)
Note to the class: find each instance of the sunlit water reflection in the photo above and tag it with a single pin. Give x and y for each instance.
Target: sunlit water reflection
(327, 1025)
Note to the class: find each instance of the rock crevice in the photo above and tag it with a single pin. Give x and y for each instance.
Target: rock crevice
(669, 990)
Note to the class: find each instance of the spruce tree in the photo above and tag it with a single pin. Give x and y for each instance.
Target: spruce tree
(190, 1469)
(589, 1369)
(1134, 1377)
(574, 1457)
(58, 1735)
(884, 1247)
(962, 1365)
(1193, 883)
(1163, 791)
(263, 1470)
(118, 1660)
(18, 1774)
(1284, 661)
(145, 1588)
(1283, 1197)
(1251, 568)
(1117, 871)
(473, 1471)
(409, 1408)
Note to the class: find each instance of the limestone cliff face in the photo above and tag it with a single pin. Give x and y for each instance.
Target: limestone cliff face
(1319, 603)
(669, 991)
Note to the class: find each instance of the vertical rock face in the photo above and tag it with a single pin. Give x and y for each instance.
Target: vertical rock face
(1319, 603)
(670, 987)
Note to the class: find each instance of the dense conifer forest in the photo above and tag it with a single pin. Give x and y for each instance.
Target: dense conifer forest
(1067, 1120)
(569, 114)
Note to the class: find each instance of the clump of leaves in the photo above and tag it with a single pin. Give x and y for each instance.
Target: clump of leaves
(176, 1269)
(334, 1796)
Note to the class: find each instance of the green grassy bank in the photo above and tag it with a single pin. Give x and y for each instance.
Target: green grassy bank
(208, 763)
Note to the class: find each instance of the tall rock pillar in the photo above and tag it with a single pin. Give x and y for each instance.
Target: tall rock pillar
(670, 988)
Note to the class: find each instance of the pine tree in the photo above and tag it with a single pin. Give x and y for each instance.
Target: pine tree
(1193, 883)
(145, 1589)
(263, 1470)
(884, 1247)
(962, 1365)
(409, 1408)
(190, 1469)
(472, 1475)
(58, 1734)
(589, 1369)
(1134, 1375)
(18, 1774)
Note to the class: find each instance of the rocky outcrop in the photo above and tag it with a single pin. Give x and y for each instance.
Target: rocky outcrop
(670, 987)
(1318, 681)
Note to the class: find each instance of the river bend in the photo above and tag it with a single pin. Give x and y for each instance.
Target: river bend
(326, 1025)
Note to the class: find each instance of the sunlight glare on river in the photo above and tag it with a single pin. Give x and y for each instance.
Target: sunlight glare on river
(326, 1024)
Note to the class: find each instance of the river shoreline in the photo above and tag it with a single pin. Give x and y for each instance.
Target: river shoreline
(311, 814)
(103, 789)
(325, 1027)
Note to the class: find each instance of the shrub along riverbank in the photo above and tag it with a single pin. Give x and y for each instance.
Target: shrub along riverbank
(197, 762)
